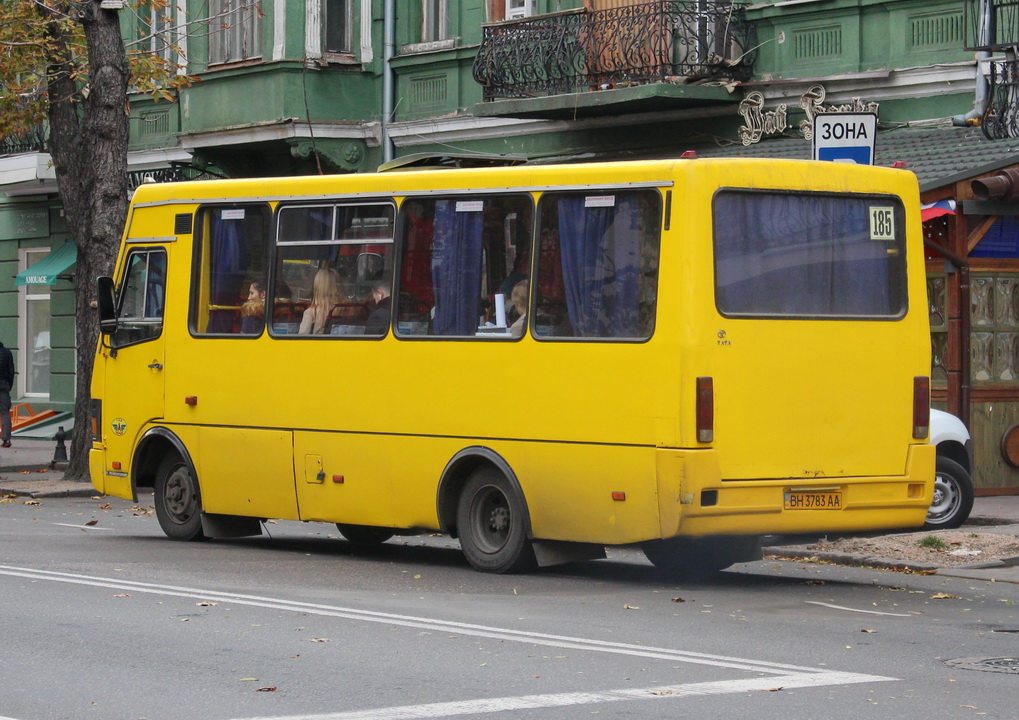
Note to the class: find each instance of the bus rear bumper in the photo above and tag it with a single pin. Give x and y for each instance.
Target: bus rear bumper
(695, 501)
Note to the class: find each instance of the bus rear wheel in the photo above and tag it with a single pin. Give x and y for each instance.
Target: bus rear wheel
(694, 558)
(178, 501)
(364, 534)
(490, 521)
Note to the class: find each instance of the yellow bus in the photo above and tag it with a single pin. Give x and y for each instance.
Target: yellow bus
(540, 361)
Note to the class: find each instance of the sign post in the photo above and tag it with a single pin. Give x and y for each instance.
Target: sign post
(845, 137)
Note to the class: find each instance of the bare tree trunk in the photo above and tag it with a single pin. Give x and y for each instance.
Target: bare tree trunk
(89, 131)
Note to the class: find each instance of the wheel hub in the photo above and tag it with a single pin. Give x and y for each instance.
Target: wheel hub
(499, 520)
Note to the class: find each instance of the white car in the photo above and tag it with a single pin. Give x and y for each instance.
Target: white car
(953, 488)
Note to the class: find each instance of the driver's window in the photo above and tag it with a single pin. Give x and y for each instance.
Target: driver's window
(142, 297)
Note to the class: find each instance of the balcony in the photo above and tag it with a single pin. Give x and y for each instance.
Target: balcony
(33, 140)
(991, 24)
(683, 44)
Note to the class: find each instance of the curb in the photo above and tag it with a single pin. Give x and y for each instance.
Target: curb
(836, 558)
(87, 491)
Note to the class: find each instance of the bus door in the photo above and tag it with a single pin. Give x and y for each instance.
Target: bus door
(134, 368)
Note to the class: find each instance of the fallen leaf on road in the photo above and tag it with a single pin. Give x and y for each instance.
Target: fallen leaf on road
(267, 688)
(106, 506)
(90, 523)
(630, 607)
(944, 596)
(662, 692)
(206, 603)
(122, 595)
(775, 689)
(318, 639)
(868, 631)
(249, 679)
(32, 502)
(678, 599)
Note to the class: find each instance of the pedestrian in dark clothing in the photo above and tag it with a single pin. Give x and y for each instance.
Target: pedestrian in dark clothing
(6, 383)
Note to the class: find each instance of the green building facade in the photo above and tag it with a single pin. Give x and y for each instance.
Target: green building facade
(342, 86)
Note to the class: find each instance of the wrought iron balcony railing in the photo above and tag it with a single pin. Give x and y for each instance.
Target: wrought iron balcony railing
(991, 24)
(1001, 116)
(33, 140)
(582, 50)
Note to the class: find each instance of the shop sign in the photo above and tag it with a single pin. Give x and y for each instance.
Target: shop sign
(19, 223)
(760, 122)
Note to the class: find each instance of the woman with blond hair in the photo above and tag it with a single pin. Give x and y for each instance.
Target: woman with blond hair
(327, 292)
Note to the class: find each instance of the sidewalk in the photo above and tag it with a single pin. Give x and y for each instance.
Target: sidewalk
(27, 469)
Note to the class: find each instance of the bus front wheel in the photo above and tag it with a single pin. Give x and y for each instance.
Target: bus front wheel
(490, 521)
(178, 502)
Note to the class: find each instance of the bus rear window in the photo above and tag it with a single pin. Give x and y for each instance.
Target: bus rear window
(809, 255)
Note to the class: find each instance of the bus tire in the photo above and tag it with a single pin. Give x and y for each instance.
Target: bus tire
(490, 521)
(953, 496)
(178, 500)
(694, 558)
(364, 534)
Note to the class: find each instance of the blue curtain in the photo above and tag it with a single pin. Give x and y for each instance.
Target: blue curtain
(456, 269)
(600, 249)
(229, 264)
(802, 255)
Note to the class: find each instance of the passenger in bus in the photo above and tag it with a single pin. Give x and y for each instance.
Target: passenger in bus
(378, 319)
(519, 298)
(253, 311)
(327, 293)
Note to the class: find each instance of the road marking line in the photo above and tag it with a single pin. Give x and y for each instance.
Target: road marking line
(849, 609)
(424, 623)
(532, 702)
(82, 527)
(799, 674)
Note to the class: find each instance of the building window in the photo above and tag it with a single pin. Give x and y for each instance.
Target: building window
(235, 30)
(34, 340)
(519, 8)
(434, 20)
(161, 28)
(337, 26)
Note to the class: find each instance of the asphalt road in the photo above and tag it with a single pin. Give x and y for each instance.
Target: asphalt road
(102, 617)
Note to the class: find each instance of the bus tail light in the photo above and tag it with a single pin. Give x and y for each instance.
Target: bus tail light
(921, 406)
(705, 410)
(95, 412)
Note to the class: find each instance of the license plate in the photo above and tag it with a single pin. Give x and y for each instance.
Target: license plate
(813, 500)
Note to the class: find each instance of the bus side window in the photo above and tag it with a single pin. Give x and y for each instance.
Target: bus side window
(142, 298)
(232, 247)
(461, 258)
(348, 247)
(597, 272)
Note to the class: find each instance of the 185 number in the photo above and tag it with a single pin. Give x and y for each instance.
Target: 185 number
(882, 223)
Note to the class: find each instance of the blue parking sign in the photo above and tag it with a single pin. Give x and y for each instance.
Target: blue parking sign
(845, 137)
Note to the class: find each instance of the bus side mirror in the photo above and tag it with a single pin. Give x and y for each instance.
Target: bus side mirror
(106, 301)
